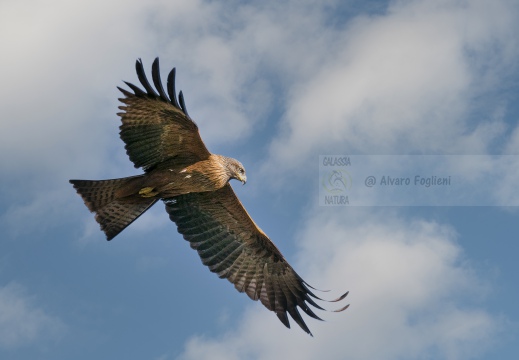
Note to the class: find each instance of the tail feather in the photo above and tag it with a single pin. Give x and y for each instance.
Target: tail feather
(113, 213)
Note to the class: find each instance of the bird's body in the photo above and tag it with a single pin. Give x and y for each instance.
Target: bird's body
(138, 193)
(162, 183)
(164, 141)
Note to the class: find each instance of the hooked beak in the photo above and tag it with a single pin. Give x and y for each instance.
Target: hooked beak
(243, 180)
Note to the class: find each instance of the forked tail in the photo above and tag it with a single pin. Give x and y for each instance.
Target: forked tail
(113, 213)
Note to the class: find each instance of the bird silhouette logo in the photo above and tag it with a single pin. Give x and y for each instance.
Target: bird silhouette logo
(337, 181)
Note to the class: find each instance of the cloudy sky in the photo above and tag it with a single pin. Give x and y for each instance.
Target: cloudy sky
(274, 84)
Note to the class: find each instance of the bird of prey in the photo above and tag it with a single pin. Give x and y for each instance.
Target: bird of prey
(163, 140)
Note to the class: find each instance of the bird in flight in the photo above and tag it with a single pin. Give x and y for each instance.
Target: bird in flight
(163, 140)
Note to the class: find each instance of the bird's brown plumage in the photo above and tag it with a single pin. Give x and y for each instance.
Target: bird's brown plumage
(162, 139)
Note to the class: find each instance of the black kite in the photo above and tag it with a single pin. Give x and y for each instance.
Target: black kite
(162, 139)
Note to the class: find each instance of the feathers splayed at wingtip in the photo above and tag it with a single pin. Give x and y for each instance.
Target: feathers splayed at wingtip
(282, 316)
(306, 285)
(294, 313)
(143, 79)
(137, 91)
(340, 297)
(310, 286)
(308, 299)
(169, 95)
(342, 309)
(155, 74)
(171, 87)
(182, 103)
(125, 93)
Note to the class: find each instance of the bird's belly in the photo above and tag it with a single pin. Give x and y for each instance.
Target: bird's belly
(179, 183)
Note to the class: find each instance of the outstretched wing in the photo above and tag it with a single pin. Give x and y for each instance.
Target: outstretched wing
(155, 127)
(229, 242)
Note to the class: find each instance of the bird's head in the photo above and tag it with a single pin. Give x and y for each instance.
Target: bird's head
(236, 170)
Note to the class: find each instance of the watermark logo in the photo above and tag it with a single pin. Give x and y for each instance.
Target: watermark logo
(335, 180)
(418, 180)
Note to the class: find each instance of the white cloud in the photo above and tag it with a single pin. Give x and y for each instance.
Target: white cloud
(404, 82)
(21, 322)
(56, 77)
(409, 289)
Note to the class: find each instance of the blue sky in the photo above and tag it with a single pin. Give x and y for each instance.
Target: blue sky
(274, 84)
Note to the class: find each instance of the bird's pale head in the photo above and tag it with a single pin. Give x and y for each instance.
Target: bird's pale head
(236, 170)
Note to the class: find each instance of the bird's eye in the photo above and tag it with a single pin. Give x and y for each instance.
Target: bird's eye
(241, 170)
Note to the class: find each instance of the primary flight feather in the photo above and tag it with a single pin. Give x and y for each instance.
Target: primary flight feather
(164, 141)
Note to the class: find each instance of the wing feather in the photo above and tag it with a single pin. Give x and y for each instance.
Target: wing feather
(182, 102)
(144, 80)
(155, 128)
(155, 73)
(171, 88)
(229, 242)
